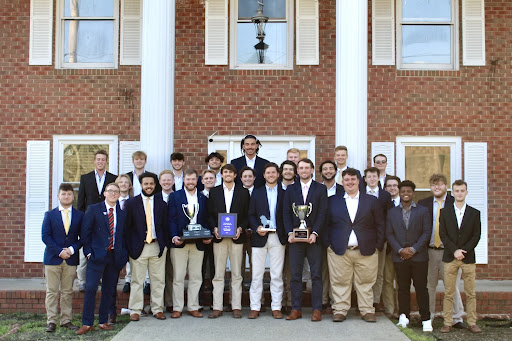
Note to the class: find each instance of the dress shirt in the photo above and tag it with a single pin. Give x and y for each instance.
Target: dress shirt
(218, 179)
(70, 209)
(375, 190)
(382, 180)
(192, 200)
(283, 186)
(249, 162)
(272, 204)
(352, 205)
(434, 213)
(152, 205)
(406, 215)
(228, 196)
(178, 180)
(121, 203)
(100, 180)
(250, 189)
(331, 191)
(165, 196)
(206, 193)
(115, 219)
(338, 173)
(303, 187)
(459, 213)
(136, 184)
(396, 201)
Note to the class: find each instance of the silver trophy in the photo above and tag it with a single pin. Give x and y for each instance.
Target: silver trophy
(194, 231)
(267, 224)
(302, 232)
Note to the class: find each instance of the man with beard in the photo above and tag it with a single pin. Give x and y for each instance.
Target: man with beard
(250, 147)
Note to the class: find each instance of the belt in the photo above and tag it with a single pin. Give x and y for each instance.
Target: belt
(356, 247)
(154, 240)
(436, 248)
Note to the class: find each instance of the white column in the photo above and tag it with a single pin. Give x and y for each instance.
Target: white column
(351, 79)
(157, 83)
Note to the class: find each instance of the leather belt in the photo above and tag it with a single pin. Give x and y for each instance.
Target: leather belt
(436, 248)
(355, 247)
(154, 240)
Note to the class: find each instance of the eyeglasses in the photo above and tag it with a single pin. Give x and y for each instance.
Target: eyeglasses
(378, 162)
(111, 191)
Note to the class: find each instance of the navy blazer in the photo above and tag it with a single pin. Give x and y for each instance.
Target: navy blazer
(259, 207)
(136, 228)
(416, 236)
(368, 225)
(96, 234)
(178, 220)
(317, 196)
(465, 238)
(56, 239)
(259, 164)
(88, 191)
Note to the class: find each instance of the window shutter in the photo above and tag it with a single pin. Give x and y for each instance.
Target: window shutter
(126, 149)
(473, 32)
(41, 32)
(37, 199)
(131, 32)
(307, 32)
(388, 149)
(216, 32)
(383, 32)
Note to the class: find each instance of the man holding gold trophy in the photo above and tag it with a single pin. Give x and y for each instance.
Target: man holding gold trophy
(304, 212)
(188, 221)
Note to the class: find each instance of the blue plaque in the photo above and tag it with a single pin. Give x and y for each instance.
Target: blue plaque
(227, 225)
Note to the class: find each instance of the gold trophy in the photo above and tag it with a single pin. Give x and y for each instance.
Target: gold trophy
(194, 231)
(301, 233)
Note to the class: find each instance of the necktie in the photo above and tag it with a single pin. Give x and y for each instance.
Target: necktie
(372, 192)
(437, 238)
(304, 192)
(67, 223)
(111, 228)
(122, 203)
(149, 222)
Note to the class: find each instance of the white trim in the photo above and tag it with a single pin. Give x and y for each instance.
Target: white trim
(473, 32)
(388, 149)
(383, 32)
(41, 32)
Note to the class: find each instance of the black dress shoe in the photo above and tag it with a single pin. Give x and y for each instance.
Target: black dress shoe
(126, 288)
(112, 319)
(69, 325)
(460, 325)
(50, 327)
(147, 289)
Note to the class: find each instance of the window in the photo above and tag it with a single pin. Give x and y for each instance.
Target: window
(87, 33)
(427, 34)
(278, 35)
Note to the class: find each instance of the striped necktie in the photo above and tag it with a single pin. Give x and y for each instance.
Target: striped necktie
(111, 228)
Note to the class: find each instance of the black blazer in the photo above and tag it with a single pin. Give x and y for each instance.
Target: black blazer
(88, 191)
(385, 202)
(417, 236)
(465, 238)
(259, 164)
(239, 205)
(259, 207)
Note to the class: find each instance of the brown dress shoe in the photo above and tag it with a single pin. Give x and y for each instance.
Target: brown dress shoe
(105, 326)
(134, 317)
(194, 313)
(369, 317)
(379, 308)
(228, 309)
(237, 313)
(161, 316)
(326, 309)
(277, 314)
(176, 314)
(84, 329)
(215, 314)
(445, 329)
(254, 314)
(50, 327)
(69, 325)
(169, 309)
(295, 314)
(317, 316)
(474, 329)
(338, 318)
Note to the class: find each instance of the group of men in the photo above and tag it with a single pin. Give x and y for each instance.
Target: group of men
(363, 234)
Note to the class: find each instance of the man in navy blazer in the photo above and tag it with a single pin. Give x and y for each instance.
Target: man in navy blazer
(187, 254)
(103, 238)
(315, 194)
(147, 237)
(250, 146)
(355, 233)
(60, 233)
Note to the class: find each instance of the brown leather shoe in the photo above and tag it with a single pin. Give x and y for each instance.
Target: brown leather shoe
(161, 316)
(50, 327)
(445, 329)
(369, 317)
(254, 314)
(277, 314)
(69, 325)
(317, 316)
(194, 313)
(112, 319)
(338, 318)
(84, 329)
(176, 314)
(105, 326)
(215, 314)
(134, 317)
(474, 329)
(295, 314)
(237, 313)
(379, 307)
(326, 309)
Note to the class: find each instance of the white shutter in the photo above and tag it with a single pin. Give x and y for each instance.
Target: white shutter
(473, 32)
(307, 32)
(388, 149)
(41, 32)
(216, 32)
(37, 200)
(475, 171)
(383, 32)
(131, 32)
(126, 149)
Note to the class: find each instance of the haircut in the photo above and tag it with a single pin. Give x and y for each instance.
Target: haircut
(371, 170)
(139, 154)
(190, 171)
(65, 187)
(326, 162)
(407, 183)
(306, 160)
(293, 150)
(247, 168)
(166, 171)
(349, 171)
(148, 175)
(208, 171)
(101, 152)
(391, 177)
(288, 162)
(270, 165)
(460, 182)
(228, 167)
(250, 136)
(436, 177)
(112, 184)
(125, 176)
(382, 155)
(212, 155)
(338, 148)
(177, 156)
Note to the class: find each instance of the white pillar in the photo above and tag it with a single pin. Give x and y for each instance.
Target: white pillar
(351, 79)
(157, 83)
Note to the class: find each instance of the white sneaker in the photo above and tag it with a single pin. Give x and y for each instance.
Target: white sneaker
(403, 321)
(427, 326)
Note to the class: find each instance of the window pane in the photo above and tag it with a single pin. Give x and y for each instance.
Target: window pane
(88, 41)
(275, 39)
(426, 44)
(423, 161)
(426, 10)
(88, 8)
(272, 8)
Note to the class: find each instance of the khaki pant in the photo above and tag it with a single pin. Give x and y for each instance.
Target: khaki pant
(352, 266)
(388, 288)
(287, 276)
(168, 280)
(59, 277)
(82, 267)
(377, 287)
(187, 259)
(148, 259)
(451, 271)
(221, 251)
(326, 283)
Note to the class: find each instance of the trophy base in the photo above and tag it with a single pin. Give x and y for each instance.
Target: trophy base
(301, 235)
(196, 231)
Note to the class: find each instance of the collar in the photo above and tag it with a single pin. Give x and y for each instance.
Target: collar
(145, 197)
(226, 188)
(348, 196)
(109, 207)
(306, 184)
(444, 198)
(334, 185)
(126, 198)
(413, 204)
(463, 209)
(61, 208)
(376, 189)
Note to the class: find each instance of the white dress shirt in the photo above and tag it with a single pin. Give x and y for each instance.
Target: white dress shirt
(178, 180)
(136, 184)
(375, 191)
(352, 205)
(249, 162)
(459, 213)
(396, 201)
(228, 197)
(338, 173)
(331, 191)
(100, 181)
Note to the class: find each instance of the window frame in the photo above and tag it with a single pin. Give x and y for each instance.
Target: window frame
(454, 39)
(60, 20)
(233, 38)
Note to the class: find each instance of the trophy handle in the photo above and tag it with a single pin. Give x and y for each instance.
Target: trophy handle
(185, 211)
(310, 208)
(294, 209)
(196, 210)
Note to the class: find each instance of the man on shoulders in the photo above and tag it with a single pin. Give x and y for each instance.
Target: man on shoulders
(380, 162)
(250, 146)
(341, 157)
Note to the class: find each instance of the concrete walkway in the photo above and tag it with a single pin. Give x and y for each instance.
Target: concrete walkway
(264, 328)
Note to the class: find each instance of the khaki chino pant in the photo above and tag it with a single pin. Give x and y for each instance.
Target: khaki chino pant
(451, 271)
(59, 277)
(221, 251)
(187, 259)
